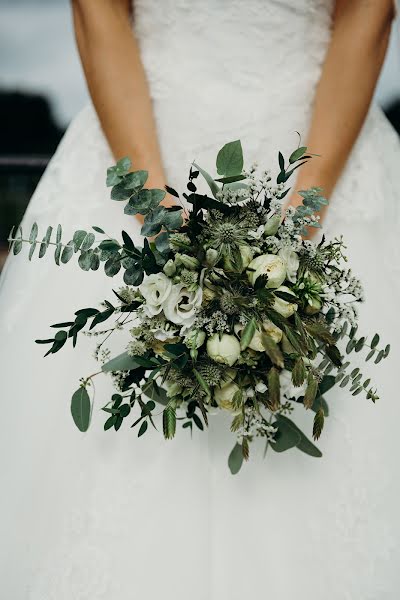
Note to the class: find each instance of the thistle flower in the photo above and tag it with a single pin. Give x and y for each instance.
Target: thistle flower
(179, 241)
(211, 373)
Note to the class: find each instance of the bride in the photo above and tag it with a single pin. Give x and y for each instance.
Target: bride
(103, 516)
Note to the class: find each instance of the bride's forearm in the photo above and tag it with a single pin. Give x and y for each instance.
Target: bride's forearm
(353, 62)
(117, 82)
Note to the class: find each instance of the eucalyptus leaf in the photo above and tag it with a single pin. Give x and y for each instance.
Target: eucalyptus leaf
(122, 362)
(235, 459)
(67, 253)
(81, 409)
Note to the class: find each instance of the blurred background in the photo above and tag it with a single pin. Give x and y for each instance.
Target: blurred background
(42, 88)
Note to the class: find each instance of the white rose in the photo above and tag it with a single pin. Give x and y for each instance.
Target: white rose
(286, 309)
(224, 396)
(223, 349)
(291, 261)
(270, 265)
(155, 289)
(180, 306)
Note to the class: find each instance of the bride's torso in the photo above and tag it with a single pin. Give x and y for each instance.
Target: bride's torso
(222, 69)
(225, 69)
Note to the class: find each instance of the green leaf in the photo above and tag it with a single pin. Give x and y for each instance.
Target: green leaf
(230, 159)
(136, 180)
(67, 253)
(144, 202)
(80, 409)
(119, 192)
(297, 154)
(375, 341)
(162, 242)
(169, 422)
(248, 334)
(326, 384)
(112, 265)
(98, 229)
(85, 260)
(78, 238)
(304, 444)
(143, 428)
(231, 179)
(155, 392)
(133, 276)
(122, 362)
(286, 437)
(109, 423)
(45, 242)
(87, 242)
(17, 246)
(320, 402)
(123, 166)
(214, 187)
(235, 459)
(32, 240)
(160, 218)
(272, 349)
(124, 410)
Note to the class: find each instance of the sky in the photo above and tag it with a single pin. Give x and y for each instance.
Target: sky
(52, 67)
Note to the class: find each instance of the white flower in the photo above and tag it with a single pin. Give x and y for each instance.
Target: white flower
(180, 306)
(286, 309)
(155, 289)
(270, 265)
(223, 349)
(291, 261)
(261, 387)
(224, 396)
(287, 388)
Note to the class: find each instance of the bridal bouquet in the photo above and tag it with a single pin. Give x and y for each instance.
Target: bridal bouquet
(228, 307)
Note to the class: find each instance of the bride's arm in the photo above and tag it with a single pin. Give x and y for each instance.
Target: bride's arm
(117, 82)
(360, 34)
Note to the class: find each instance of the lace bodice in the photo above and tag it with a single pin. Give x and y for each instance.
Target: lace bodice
(230, 68)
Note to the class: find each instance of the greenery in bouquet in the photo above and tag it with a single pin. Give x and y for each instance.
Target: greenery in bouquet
(228, 306)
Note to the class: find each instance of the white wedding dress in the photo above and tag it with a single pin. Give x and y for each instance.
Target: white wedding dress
(106, 516)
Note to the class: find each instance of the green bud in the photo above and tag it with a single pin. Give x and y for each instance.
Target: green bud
(272, 225)
(190, 262)
(212, 257)
(169, 268)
